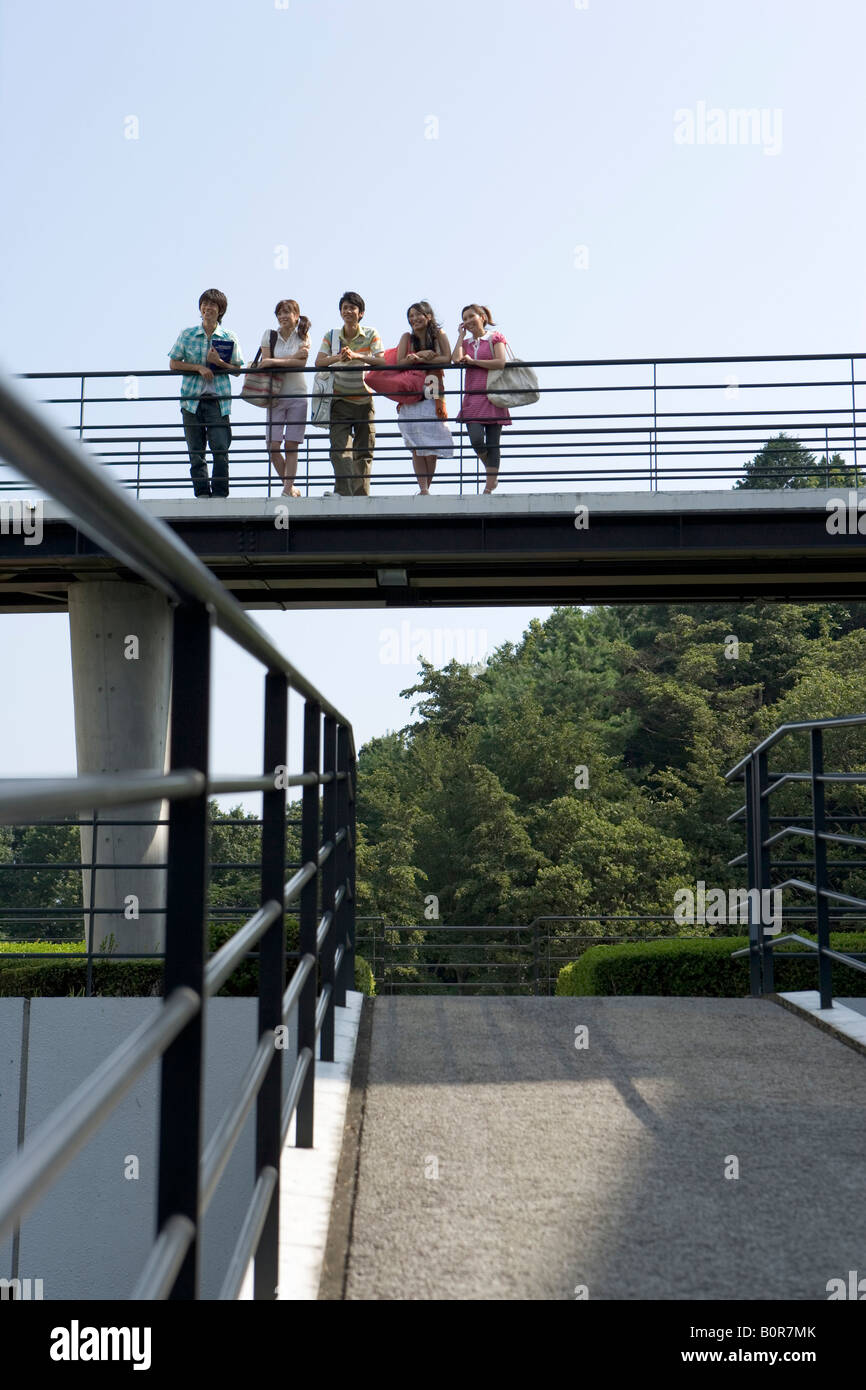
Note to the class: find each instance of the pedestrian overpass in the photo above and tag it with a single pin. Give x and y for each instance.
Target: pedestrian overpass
(485, 1154)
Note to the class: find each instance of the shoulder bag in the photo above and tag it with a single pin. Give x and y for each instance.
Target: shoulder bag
(512, 385)
(323, 390)
(259, 388)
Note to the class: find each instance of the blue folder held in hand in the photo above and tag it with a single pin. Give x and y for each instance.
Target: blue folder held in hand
(224, 347)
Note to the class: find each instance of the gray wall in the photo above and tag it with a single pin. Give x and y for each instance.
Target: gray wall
(89, 1236)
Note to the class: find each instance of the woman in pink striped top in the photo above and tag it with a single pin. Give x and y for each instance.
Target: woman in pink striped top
(486, 352)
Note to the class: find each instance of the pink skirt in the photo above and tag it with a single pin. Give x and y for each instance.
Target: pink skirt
(477, 406)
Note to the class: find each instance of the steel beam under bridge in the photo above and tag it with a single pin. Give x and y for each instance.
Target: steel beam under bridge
(369, 552)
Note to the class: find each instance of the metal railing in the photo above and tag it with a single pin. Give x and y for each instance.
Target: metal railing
(640, 422)
(760, 785)
(187, 1175)
(516, 958)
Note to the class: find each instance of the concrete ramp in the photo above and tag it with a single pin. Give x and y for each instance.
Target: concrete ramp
(498, 1160)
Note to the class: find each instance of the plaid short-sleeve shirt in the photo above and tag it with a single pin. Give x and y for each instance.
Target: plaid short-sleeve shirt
(192, 346)
(350, 383)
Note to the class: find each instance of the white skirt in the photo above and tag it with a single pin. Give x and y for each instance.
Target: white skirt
(423, 432)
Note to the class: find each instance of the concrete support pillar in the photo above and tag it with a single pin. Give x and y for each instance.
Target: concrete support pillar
(121, 680)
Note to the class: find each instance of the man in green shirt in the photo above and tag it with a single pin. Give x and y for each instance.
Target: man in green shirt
(352, 415)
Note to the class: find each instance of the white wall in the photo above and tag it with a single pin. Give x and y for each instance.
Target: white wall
(89, 1237)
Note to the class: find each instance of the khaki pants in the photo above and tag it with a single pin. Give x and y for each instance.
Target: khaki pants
(352, 467)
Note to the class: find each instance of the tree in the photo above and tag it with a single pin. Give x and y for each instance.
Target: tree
(784, 462)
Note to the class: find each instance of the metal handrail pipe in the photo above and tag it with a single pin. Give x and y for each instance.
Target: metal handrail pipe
(858, 840)
(322, 1008)
(53, 1145)
(164, 1261)
(115, 522)
(250, 1233)
(845, 721)
(229, 955)
(338, 957)
(840, 956)
(290, 1104)
(822, 892)
(777, 941)
(842, 898)
(556, 362)
(339, 896)
(844, 959)
(222, 1142)
(324, 928)
(225, 785)
(296, 984)
(28, 796)
(299, 881)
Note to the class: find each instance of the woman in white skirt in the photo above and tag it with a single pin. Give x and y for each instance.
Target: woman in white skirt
(422, 423)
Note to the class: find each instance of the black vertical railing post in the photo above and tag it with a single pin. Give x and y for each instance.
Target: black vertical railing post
(344, 980)
(308, 922)
(351, 822)
(180, 1106)
(272, 971)
(854, 423)
(754, 952)
(762, 819)
(329, 881)
(91, 925)
(535, 956)
(822, 905)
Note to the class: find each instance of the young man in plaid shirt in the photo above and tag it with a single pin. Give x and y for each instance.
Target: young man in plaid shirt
(206, 393)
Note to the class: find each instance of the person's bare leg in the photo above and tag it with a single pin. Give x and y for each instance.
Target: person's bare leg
(277, 459)
(431, 469)
(291, 472)
(419, 463)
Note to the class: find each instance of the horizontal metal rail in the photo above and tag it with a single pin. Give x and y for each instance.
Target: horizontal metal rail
(54, 1144)
(732, 418)
(250, 1234)
(299, 1076)
(229, 1129)
(165, 1260)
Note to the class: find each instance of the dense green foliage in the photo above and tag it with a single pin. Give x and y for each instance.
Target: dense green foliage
(478, 802)
(698, 969)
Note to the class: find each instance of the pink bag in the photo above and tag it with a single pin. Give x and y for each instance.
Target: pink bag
(405, 387)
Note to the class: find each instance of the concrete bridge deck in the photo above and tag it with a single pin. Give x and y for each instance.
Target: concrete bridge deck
(499, 1161)
(510, 548)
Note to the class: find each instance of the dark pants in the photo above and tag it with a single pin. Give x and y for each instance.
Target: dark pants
(208, 425)
(485, 439)
(352, 420)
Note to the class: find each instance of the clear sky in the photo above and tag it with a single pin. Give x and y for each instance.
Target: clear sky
(458, 151)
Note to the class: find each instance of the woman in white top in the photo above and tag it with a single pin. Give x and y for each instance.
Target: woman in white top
(287, 415)
(422, 423)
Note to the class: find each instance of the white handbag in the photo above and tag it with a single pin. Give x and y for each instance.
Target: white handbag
(512, 385)
(323, 390)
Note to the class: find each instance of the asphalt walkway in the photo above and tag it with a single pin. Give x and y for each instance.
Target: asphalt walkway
(500, 1161)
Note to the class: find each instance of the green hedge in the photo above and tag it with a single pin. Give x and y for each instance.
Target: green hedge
(122, 978)
(699, 968)
(364, 982)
